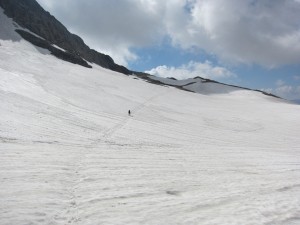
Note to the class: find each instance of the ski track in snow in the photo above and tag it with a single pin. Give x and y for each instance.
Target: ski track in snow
(107, 134)
(72, 210)
(70, 154)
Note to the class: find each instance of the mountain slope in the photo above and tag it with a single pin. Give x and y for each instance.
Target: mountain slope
(70, 154)
(30, 15)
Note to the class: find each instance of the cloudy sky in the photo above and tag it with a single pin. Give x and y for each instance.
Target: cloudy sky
(252, 43)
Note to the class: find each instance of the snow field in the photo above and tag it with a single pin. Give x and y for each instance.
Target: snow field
(70, 154)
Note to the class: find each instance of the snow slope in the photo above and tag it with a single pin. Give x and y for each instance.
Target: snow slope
(70, 154)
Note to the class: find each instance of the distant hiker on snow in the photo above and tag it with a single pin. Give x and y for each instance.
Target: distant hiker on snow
(129, 112)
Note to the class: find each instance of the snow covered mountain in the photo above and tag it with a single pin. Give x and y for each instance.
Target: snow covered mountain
(70, 154)
(45, 31)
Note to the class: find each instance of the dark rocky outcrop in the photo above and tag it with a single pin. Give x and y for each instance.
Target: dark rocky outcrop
(30, 15)
(54, 51)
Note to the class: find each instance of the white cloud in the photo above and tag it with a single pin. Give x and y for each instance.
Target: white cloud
(265, 32)
(280, 82)
(296, 77)
(285, 91)
(111, 26)
(192, 69)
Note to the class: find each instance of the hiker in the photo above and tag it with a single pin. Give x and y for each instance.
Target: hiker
(129, 112)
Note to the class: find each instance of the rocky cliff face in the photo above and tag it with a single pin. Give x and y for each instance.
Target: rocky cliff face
(29, 14)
